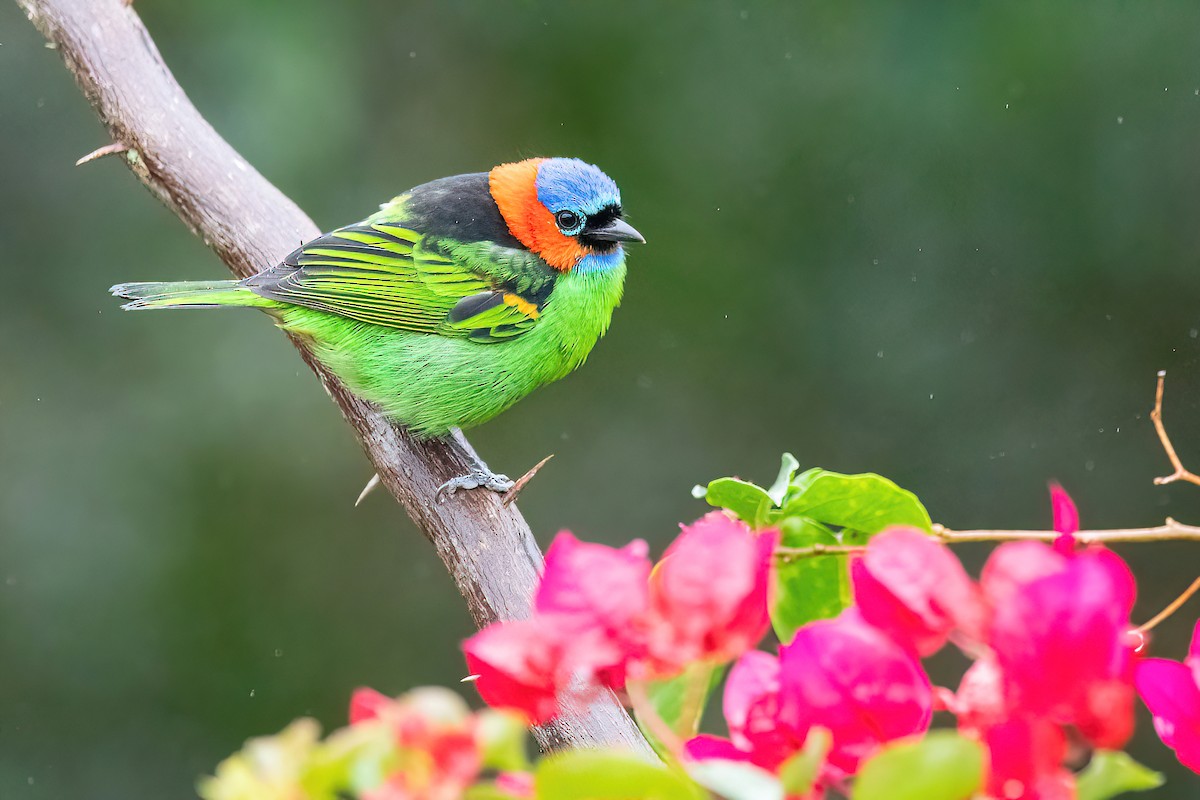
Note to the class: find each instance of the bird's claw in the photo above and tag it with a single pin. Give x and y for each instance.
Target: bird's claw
(475, 479)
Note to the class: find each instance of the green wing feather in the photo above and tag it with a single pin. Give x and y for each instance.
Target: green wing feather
(384, 273)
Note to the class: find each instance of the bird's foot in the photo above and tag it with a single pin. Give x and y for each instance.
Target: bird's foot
(477, 478)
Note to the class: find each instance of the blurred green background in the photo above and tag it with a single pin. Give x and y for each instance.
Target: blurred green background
(949, 243)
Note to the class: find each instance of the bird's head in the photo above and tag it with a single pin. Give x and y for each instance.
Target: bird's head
(563, 209)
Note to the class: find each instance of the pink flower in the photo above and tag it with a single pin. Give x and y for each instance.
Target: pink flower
(1025, 761)
(601, 613)
(1060, 634)
(708, 594)
(1170, 690)
(850, 678)
(1066, 519)
(367, 704)
(604, 592)
(437, 739)
(516, 784)
(522, 665)
(912, 587)
(751, 706)
(595, 584)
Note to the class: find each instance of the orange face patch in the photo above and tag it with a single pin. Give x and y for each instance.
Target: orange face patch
(514, 188)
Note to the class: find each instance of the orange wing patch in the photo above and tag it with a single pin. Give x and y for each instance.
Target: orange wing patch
(521, 304)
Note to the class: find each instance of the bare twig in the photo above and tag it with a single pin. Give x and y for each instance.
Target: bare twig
(1172, 608)
(788, 554)
(639, 698)
(100, 152)
(487, 547)
(1180, 474)
(510, 496)
(1170, 530)
(366, 490)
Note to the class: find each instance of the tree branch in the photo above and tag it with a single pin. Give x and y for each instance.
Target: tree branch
(486, 546)
(1180, 474)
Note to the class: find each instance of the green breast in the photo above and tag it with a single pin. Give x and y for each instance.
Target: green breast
(433, 383)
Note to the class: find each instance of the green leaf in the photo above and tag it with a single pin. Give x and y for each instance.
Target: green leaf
(1111, 773)
(487, 791)
(748, 501)
(502, 738)
(607, 775)
(866, 502)
(942, 766)
(736, 780)
(807, 588)
(799, 773)
(680, 701)
(783, 481)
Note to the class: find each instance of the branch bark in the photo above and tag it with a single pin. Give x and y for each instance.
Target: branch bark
(487, 547)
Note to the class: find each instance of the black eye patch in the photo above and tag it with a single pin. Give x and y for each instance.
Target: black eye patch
(602, 217)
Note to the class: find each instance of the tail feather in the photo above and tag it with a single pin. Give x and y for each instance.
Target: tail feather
(187, 294)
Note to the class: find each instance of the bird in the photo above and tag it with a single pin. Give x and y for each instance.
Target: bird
(455, 300)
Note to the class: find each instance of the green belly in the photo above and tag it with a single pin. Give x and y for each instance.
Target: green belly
(432, 383)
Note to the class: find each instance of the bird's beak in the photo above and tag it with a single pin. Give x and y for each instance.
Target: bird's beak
(617, 230)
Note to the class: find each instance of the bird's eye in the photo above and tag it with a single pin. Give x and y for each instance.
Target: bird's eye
(567, 220)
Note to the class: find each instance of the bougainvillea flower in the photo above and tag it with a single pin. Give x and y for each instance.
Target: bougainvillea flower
(852, 679)
(980, 702)
(708, 594)
(1170, 690)
(367, 704)
(438, 742)
(1060, 631)
(598, 585)
(1066, 519)
(913, 588)
(516, 784)
(751, 706)
(524, 665)
(1025, 761)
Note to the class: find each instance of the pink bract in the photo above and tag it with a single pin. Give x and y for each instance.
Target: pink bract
(1169, 689)
(757, 733)
(1025, 761)
(852, 679)
(1060, 635)
(708, 594)
(912, 587)
(599, 585)
(522, 665)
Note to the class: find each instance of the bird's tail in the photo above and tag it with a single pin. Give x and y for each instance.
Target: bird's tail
(187, 294)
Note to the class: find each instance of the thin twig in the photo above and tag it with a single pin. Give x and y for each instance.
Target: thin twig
(649, 716)
(1172, 608)
(370, 487)
(788, 554)
(101, 152)
(1171, 530)
(511, 495)
(1180, 473)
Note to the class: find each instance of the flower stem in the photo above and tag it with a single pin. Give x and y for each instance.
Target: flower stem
(646, 713)
(1171, 609)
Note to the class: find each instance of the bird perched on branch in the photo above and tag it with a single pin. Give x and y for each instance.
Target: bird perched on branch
(455, 300)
